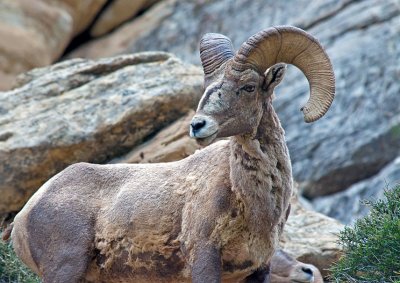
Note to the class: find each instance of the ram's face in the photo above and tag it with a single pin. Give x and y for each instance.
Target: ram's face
(235, 85)
(233, 102)
(231, 105)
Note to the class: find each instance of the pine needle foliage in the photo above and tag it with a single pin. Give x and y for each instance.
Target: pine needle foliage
(12, 270)
(372, 247)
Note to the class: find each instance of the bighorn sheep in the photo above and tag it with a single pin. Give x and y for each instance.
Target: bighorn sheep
(286, 269)
(214, 216)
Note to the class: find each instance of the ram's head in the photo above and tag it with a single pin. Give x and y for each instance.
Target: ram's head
(238, 85)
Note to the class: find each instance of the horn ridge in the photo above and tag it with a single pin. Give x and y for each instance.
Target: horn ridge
(294, 46)
(215, 49)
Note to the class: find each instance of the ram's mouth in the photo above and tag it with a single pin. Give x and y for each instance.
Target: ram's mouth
(204, 141)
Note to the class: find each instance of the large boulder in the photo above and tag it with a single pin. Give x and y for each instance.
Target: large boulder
(171, 144)
(177, 26)
(116, 13)
(348, 205)
(35, 33)
(360, 134)
(311, 237)
(118, 42)
(84, 110)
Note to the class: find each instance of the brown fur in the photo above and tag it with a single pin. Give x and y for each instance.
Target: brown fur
(214, 216)
(286, 269)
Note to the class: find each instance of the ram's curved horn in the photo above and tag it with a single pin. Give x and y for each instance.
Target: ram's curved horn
(293, 46)
(215, 50)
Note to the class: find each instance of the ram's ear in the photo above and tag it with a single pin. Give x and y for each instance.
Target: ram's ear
(272, 77)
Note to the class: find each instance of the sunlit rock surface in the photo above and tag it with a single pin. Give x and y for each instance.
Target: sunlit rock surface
(84, 110)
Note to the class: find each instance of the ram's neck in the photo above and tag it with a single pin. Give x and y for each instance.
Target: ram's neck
(261, 173)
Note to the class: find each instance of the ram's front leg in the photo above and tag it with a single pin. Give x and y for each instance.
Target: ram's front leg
(206, 264)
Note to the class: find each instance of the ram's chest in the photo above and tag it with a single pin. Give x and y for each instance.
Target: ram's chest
(249, 250)
(244, 251)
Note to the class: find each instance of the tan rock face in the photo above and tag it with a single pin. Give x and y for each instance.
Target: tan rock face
(32, 34)
(35, 33)
(171, 144)
(83, 110)
(118, 12)
(81, 11)
(129, 34)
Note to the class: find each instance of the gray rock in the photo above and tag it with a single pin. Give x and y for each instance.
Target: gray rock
(84, 110)
(311, 237)
(360, 133)
(347, 206)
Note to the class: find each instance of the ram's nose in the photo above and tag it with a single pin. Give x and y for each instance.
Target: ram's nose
(307, 270)
(308, 274)
(196, 125)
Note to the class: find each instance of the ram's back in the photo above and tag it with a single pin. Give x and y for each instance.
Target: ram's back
(124, 217)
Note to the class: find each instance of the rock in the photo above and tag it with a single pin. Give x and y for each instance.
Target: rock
(83, 110)
(360, 134)
(339, 150)
(311, 237)
(347, 206)
(178, 26)
(6, 80)
(170, 144)
(118, 12)
(83, 12)
(35, 33)
(117, 42)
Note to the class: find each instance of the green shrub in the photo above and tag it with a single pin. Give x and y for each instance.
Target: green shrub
(372, 247)
(12, 270)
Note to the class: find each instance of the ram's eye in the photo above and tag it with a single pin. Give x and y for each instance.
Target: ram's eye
(249, 88)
